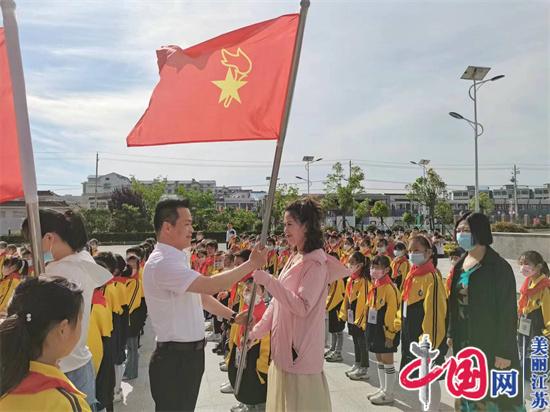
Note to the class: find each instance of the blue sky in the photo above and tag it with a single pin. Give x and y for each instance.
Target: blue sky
(375, 85)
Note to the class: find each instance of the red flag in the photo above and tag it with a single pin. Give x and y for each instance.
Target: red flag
(232, 87)
(11, 183)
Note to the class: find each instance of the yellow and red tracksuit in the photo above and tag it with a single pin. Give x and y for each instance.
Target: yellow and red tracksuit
(45, 388)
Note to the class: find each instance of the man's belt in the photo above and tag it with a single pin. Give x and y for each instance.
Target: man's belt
(182, 346)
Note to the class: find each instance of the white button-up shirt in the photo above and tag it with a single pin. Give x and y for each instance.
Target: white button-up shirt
(177, 315)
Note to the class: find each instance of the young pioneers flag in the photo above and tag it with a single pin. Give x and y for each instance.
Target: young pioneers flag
(232, 87)
(11, 183)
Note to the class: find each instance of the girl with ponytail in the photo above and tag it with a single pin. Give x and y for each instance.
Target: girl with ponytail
(43, 324)
(64, 245)
(12, 272)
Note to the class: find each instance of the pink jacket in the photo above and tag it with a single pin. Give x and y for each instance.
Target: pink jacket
(296, 315)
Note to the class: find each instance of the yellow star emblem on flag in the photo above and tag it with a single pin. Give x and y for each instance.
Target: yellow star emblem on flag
(238, 66)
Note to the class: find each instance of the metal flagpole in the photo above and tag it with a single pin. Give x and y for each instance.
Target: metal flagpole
(304, 5)
(26, 158)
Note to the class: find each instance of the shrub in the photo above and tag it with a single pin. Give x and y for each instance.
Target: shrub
(508, 227)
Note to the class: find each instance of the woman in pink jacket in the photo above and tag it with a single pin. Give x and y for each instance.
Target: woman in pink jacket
(296, 315)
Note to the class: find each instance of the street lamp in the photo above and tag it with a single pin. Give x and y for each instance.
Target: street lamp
(476, 74)
(309, 160)
(422, 163)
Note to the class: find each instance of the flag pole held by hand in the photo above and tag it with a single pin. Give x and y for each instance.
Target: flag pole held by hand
(304, 5)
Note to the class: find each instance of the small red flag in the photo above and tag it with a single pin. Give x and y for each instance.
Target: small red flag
(232, 87)
(11, 183)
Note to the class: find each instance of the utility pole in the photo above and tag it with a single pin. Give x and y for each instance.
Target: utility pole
(96, 177)
(515, 181)
(350, 169)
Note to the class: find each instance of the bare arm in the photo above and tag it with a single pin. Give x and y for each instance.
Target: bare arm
(213, 306)
(209, 285)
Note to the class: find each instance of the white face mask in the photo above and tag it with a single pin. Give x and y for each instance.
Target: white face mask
(399, 253)
(347, 247)
(247, 297)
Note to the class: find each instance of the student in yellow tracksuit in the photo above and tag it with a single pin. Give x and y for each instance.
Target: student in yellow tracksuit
(400, 265)
(14, 269)
(272, 257)
(347, 250)
(533, 305)
(99, 342)
(354, 312)
(383, 338)
(43, 326)
(337, 290)
(424, 307)
(253, 391)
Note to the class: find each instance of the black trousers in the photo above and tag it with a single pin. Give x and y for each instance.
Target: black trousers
(175, 377)
(361, 352)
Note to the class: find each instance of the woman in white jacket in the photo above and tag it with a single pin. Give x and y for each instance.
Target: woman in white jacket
(63, 242)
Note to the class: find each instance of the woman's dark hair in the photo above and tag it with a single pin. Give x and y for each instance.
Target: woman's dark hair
(362, 260)
(21, 265)
(480, 228)
(535, 258)
(458, 252)
(69, 226)
(107, 260)
(382, 242)
(383, 261)
(307, 211)
(425, 242)
(136, 250)
(38, 305)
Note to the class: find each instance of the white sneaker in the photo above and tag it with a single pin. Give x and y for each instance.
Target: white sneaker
(226, 388)
(118, 397)
(238, 408)
(360, 374)
(382, 399)
(223, 367)
(372, 395)
(208, 326)
(352, 369)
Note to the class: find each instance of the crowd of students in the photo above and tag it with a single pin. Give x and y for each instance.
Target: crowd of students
(394, 296)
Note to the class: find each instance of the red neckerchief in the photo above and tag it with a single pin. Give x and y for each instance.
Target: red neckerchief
(397, 265)
(526, 292)
(354, 276)
(98, 298)
(416, 271)
(209, 261)
(450, 278)
(258, 313)
(36, 382)
(386, 280)
(120, 279)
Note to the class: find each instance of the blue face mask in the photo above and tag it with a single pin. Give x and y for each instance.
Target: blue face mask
(464, 240)
(48, 257)
(417, 258)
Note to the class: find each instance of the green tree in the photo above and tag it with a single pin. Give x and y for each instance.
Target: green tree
(129, 219)
(203, 209)
(444, 212)
(341, 191)
(428, 191)
(381, 210)
(408, 218)
(151, 194)
(284, 195)
(97, 220)
(362, 210)
(486, 204)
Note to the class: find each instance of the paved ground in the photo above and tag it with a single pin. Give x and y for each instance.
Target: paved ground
(346, 395)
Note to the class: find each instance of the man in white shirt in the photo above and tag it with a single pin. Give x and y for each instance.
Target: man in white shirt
(176, 296)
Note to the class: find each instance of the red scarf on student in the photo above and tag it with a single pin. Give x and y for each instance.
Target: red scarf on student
(36, 382)
(257, 314)
(354, 276)
(526, 292)
(416, 271)
(397, 265)
(386, 280)
(98, 298)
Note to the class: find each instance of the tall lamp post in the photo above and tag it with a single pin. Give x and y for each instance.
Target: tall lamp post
(309, 160)
(476, 74)
(422, 163)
